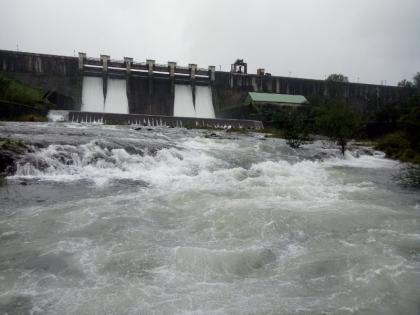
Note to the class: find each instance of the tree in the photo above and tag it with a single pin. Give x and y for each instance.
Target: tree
(296, 130)
(338, 121)
(335, 84)
(406, 84)
(416, 80)
(410, 124)
(337, 77)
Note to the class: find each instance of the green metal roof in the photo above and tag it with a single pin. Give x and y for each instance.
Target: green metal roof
(254, 97)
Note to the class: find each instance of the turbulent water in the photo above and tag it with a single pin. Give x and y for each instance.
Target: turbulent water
(112, 220)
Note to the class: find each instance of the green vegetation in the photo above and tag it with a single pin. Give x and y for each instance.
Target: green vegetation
(14, 145)
(293, 124)
(14, 91)
(20, 102)
(335, 118)
(32, 117)
(337, 77)
(396, 146)
(338, 121)
(404, 142)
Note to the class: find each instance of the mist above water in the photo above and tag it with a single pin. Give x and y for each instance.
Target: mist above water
(170, 221)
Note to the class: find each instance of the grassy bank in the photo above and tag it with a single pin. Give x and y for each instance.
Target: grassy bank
(15, 91)
(20, 102)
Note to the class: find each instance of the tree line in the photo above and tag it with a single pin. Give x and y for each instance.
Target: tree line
(339, 120)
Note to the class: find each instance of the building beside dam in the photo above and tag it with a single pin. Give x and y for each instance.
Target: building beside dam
(147, 88)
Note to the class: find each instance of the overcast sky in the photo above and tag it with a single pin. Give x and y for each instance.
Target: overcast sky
(373, 40)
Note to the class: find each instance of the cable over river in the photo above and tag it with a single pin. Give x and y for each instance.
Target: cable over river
(113, 220)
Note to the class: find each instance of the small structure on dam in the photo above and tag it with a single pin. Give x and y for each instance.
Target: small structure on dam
(272, 99)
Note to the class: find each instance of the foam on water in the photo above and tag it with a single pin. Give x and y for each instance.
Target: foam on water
(183, 103)
(92, 95)
(376, 160)
(55, 117)
(211, 226)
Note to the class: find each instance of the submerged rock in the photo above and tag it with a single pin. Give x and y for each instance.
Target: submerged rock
(10, 151)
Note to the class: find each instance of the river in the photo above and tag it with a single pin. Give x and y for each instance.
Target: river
(113, 220)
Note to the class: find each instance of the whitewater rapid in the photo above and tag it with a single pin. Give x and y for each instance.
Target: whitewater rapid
(114, 220)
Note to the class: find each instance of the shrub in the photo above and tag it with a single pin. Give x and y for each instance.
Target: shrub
(338, 121)
(397, 146)
(394, 144)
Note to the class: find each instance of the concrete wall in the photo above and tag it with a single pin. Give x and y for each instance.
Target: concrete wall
(150, 96)
(230, 91)
(153, 93)
(47, 72)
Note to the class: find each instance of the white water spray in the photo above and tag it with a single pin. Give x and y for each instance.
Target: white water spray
(203, 102)
(92, 95)
(183, 104)
(116, 99)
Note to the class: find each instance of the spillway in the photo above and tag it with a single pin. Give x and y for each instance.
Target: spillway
(92, 95)
(183, 104)
(116, 99)
(203, 102)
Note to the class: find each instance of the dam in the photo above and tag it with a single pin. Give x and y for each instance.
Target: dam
(105, 86)
(109, 86)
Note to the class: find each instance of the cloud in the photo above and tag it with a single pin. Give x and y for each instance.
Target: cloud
(374, 40)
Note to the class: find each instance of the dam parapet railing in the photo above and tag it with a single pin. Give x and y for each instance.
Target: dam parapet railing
(122, 68)
(151, 120)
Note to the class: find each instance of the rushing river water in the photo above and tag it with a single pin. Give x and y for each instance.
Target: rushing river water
(112, 220)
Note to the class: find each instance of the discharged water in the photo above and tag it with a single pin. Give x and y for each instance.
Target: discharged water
(92, 95)
(183, 103)
(110, 220)
(116, 98)
(204, 103)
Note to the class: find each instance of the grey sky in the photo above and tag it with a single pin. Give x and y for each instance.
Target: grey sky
(372, 39)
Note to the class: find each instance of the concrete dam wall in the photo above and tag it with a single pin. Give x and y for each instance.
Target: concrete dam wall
(152, 89)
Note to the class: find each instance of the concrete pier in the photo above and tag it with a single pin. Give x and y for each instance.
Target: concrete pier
(128, 62)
